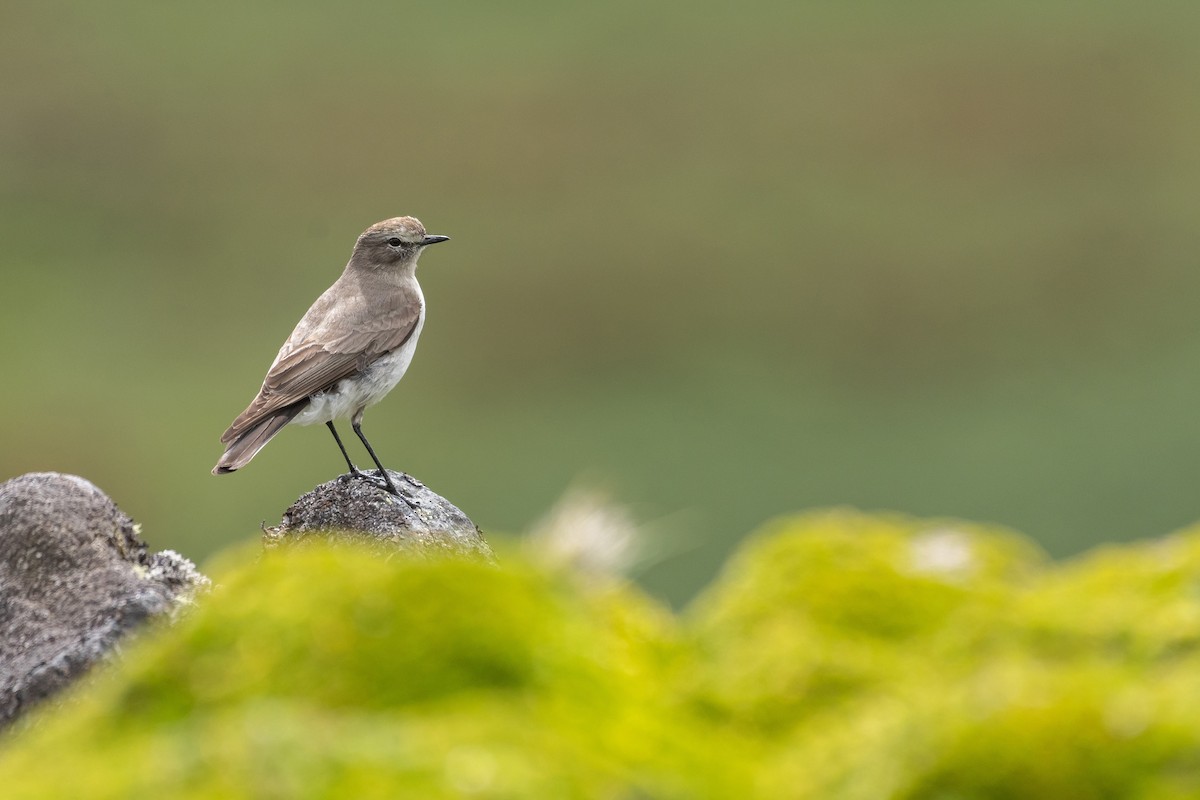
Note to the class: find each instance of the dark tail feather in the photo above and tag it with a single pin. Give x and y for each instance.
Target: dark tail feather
(245, 447)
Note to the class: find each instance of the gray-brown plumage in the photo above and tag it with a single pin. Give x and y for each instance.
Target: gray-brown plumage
(348, 351)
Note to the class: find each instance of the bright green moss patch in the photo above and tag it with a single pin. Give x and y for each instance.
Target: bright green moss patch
(822, 608)
(335, 673)
(840, 655)
(889, 657)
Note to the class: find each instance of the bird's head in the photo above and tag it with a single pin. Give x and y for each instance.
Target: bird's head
(394, 241)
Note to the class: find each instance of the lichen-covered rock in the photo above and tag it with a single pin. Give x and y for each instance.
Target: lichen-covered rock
(74, 580)
(422, 523)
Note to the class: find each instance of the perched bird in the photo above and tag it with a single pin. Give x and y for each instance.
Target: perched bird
(348, 350)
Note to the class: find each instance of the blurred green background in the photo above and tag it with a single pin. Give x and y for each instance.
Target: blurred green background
(723, 260)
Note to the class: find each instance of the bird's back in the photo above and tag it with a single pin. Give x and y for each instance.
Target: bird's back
(355, 322)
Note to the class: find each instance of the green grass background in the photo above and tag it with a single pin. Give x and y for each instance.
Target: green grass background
(725, 260)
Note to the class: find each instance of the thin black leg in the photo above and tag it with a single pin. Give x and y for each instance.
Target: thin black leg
(383, 472)
(338, 439)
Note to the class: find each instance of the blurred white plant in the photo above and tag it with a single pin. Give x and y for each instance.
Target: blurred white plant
(944, 552)
(588, 532)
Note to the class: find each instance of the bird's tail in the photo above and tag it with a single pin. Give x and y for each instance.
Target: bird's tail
(247, 444)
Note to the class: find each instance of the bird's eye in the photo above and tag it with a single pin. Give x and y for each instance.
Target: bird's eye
(394, 242)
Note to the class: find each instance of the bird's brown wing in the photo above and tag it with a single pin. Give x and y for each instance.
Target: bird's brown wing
(312, 366)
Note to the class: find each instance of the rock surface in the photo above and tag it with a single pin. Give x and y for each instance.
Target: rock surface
(75, 578)
(349, 508)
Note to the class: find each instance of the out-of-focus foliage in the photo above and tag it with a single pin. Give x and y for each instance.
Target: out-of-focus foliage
(333, 673)
(886, 657)
(839, 655)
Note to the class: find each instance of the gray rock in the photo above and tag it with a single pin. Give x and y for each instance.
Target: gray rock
(359, 510)
(75, 578)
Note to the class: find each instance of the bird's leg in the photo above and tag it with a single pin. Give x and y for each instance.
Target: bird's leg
(353, 469)
(357, 425)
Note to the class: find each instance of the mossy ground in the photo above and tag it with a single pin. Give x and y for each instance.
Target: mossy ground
(840, 655)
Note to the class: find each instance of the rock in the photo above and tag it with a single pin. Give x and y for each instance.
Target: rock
(75, 579)
(356, 509)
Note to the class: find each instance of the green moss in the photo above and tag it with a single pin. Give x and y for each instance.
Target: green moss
(840, 655)
(889, 657)
(333, 673)
(846, 603)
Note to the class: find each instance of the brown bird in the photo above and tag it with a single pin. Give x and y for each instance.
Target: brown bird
(348, 350)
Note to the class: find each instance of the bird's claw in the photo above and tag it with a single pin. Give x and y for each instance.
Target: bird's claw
(384, 481)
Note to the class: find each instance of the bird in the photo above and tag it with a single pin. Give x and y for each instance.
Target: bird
(347, 352)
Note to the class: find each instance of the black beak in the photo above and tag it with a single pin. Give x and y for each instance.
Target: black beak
(428, 240)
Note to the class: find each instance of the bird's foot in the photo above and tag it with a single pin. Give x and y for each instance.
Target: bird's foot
(384, 481)
(357, 474)
(391, 487)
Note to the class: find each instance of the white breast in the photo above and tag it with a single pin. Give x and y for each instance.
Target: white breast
(365, 389)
